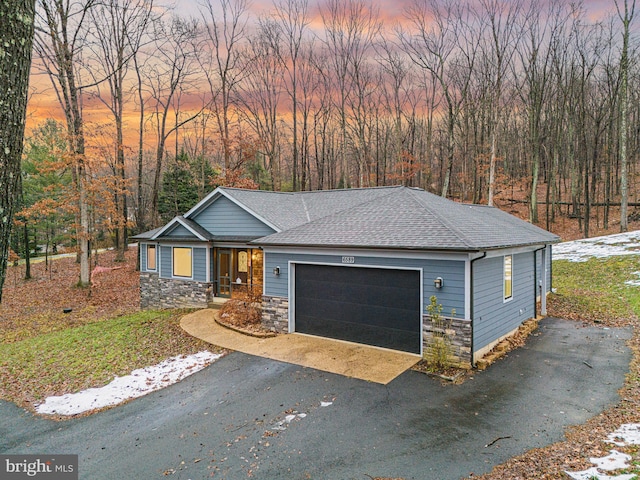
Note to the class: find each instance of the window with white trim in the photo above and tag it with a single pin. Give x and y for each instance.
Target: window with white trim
(151, 257)
(182, 265)
(508, 277)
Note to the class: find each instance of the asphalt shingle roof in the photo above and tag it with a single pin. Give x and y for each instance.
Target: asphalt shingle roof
(287, 210)
(413, 219)
(381, 217)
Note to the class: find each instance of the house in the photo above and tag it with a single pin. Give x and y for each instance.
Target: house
(357, 264)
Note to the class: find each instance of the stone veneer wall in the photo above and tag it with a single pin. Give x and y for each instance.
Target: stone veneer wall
(156, 292)
(459, 333)
(275, 313)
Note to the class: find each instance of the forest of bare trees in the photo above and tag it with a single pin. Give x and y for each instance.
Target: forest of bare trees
(529, 102)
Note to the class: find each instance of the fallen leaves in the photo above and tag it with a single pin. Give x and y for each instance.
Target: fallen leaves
(36, 306)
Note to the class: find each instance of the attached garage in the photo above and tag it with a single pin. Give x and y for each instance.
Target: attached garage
(373, 306)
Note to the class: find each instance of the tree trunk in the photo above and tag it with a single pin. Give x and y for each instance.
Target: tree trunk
(27, 253)
(16, 18)
(624, 106)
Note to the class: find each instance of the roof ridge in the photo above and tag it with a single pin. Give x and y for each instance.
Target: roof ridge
(257, 190)
(346, 207)
(445, 221)
(306, 210)
(340, 190)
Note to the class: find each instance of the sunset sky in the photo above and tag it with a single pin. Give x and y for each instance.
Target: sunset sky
(43, 102)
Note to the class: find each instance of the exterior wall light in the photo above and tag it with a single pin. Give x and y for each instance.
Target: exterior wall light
(276, 271)
(438, 282)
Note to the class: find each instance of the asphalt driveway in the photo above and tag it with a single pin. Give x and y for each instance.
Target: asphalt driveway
(250, 417)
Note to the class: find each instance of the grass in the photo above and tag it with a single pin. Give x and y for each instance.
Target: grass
(595, 290)
(90, 355)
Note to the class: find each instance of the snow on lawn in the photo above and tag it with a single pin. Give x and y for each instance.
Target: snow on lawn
(628, 434)
(600, 247)
(138, 383)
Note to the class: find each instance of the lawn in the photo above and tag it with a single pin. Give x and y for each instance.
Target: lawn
(44, 351)
(596, 290)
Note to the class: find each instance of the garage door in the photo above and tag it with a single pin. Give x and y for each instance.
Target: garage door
(373, 306)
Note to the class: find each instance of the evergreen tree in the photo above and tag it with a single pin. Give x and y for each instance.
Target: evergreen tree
(179, 189)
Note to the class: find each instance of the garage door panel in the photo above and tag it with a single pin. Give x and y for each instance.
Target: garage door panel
(374, 315)
(389, 295)
(366, 334)
(366, 305)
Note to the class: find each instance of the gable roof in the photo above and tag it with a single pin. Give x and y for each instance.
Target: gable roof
(284, 210)
(196, 230)
(379, 217)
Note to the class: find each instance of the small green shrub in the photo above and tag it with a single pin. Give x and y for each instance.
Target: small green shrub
(439, 351)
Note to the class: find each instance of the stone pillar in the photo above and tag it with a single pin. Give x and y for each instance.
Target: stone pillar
(458, 332)
(275, 313)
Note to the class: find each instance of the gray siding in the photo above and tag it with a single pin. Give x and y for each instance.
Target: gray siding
(180, 231)
(165, 262)
(492, 316)
(199, 259)
(451, 296)
(223, 217)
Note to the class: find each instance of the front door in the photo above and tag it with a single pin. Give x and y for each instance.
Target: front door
(224, 273)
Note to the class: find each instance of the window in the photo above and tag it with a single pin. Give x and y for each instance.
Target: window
(151, 257)
(508, 277)
(182, 262)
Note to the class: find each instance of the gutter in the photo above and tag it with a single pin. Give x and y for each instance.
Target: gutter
(484, 254)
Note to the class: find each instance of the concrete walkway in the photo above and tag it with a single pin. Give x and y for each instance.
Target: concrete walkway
(354, 360)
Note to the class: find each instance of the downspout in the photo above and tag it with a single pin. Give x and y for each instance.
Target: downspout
(484, 254)
(550, 268)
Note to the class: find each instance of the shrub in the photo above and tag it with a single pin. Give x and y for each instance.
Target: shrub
(439, 350)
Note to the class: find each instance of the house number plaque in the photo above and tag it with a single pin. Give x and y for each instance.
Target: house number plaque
(348, 259)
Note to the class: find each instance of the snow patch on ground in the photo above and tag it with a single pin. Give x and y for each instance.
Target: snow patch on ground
(628, 434)
(138, 383)
(594, 474)
(599, 247)
(636, 282)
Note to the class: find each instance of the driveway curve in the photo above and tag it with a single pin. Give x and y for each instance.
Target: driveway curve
(251, 417)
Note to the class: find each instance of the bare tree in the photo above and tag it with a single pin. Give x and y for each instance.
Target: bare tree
(293, 19)
(444, 44)
(221, 61)
(118, 29)
(351, 27)
(309, 85)
(16, 39)
(498, 49)
(260, 93)
(166, 77)
(59, 39)
(626, 16)
(540, 31)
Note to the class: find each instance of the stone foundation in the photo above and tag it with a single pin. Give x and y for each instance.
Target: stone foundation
(156, 292)
(459, 334)
(275, 314)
